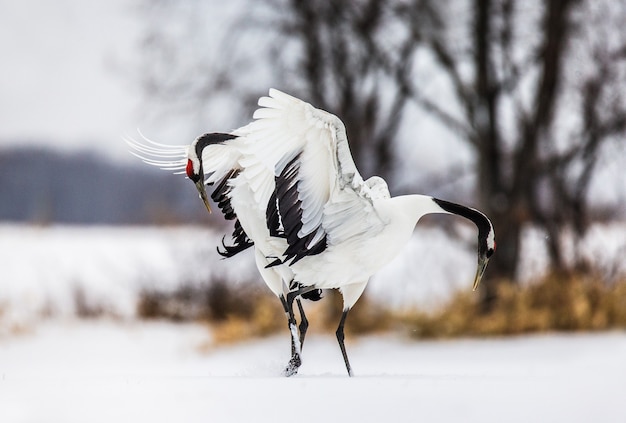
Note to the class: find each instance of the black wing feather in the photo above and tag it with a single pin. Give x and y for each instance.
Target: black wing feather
(221, 195)
(287, 204)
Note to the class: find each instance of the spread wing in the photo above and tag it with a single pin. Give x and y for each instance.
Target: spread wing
(320, 199)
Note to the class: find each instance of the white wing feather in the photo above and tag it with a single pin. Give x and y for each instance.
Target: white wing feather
(334, 199)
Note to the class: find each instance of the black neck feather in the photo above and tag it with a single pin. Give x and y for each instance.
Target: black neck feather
(205, 140)
(480, 220)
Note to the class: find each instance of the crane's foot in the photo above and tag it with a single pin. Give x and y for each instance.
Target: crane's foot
(292, 366)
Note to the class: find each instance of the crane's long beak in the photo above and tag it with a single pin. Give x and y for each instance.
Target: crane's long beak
(202, 191)
(480, 270)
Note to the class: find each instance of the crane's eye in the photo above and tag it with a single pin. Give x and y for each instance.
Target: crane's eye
(490, 252)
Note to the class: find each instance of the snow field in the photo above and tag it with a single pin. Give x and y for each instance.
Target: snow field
(122, 369)
(43, 269)
(106, 371)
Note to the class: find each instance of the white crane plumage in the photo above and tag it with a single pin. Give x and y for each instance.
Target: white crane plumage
(289, 181)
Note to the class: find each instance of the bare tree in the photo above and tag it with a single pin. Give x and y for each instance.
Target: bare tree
(349, 62)
(532, 169)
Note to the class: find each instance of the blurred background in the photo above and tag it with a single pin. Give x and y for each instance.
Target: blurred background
(515, 108)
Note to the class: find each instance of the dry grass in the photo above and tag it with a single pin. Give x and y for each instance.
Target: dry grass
(366, 317)
(556, 303)
(233, 313)
(267, 318)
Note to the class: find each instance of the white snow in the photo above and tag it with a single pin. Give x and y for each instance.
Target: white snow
(43, 269)
(121, 369)
(105, 371)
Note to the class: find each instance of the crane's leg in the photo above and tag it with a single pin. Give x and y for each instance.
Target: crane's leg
(304, 322)
(294, 361)
(296, 345)
(340, 338)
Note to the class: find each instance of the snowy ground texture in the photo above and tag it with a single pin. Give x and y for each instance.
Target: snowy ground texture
(56, 368)
(160, 372)
(42, 269)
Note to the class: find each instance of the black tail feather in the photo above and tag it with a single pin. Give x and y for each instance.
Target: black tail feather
(231, 250)
(276, 262)
(314, 295)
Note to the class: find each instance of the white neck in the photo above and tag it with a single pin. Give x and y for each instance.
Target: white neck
(413, 207)
(402, 214)
(409, 209)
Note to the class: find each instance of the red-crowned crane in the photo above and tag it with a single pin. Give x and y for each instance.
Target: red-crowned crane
(289, 181)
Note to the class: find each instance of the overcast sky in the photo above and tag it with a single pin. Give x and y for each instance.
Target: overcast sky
(65, 73)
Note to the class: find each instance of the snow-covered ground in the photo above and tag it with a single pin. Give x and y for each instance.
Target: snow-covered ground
(43, 269)
(103, 371)
(118, 368)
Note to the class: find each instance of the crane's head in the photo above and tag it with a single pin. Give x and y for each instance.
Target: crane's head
(486, 248)
(486, 234)
(196, 173)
